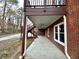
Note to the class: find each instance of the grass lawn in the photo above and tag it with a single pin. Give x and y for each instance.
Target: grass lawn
(29, 42)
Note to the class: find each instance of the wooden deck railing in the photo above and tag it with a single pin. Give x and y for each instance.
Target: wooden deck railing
(45, 7)
(45, 3)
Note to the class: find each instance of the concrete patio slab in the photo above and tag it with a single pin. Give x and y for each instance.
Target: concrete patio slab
(42, 48)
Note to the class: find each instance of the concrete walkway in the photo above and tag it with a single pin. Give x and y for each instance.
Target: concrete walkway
(42, 48)
(10, 37)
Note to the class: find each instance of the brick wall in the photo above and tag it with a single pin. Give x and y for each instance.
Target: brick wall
(51, 34)
(73, 28)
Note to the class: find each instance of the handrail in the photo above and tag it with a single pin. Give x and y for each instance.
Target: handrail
(30, 27)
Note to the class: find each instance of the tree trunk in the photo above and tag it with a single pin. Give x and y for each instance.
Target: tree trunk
(3, 19)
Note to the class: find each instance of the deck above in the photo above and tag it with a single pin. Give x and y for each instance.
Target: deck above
(45, 7)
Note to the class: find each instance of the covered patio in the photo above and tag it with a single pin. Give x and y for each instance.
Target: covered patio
(42, 16)
(42, 48)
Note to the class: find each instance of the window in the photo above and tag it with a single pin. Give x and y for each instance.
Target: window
(59, 33)
(61, 30)
(56, 33)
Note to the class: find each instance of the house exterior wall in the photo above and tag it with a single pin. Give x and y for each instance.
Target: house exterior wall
(39, 31)
(50, 34)
(73, 28)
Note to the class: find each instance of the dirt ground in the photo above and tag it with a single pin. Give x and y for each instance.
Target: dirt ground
(8, 48)
(29, 42)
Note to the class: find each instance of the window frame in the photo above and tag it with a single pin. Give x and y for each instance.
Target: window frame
(58, 40)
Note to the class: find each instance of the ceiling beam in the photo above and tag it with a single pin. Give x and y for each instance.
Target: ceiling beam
(45, 11)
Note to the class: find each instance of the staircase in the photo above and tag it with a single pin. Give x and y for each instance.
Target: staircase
(31, 30)
(30, 27)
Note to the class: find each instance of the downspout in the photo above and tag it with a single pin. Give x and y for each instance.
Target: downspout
(65, 25)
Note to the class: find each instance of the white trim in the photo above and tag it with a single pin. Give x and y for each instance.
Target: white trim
(58, 34)
(65, 26)
(58, 40)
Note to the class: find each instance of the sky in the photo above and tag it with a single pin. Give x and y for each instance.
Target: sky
(20, 3)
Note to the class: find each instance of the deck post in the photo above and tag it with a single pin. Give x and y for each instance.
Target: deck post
(23, 39)
(23, 33)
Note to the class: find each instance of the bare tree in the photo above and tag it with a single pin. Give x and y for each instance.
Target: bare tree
(5, 4)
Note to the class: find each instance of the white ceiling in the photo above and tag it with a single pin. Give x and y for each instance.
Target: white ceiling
(43, 21)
